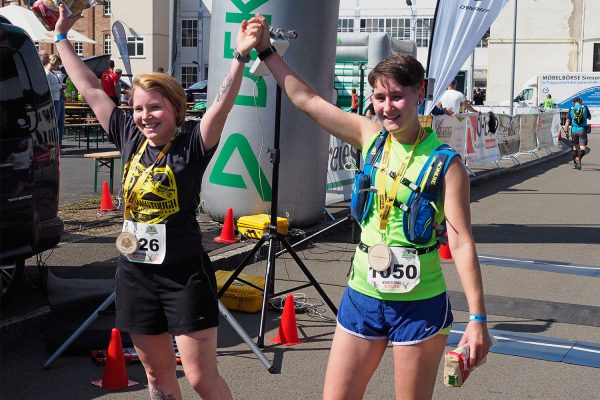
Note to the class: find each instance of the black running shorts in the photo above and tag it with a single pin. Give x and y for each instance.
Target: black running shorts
(176, 298)
(579, 139)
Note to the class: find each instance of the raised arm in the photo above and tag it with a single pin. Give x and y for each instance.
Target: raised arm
(468, 107)
(351, 128)
(213, 121)
(462, 246)
(82, 77)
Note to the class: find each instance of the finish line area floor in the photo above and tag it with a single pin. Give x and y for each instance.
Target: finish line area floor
(539, 261)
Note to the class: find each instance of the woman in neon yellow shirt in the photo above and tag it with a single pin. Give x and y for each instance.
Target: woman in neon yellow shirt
(412, 312)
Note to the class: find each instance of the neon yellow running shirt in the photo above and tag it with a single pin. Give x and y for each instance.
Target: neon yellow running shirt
(432, 279)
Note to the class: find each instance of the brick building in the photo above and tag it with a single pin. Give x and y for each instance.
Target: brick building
(95, 24)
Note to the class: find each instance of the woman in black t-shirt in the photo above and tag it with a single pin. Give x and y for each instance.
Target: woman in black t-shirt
(165, 284)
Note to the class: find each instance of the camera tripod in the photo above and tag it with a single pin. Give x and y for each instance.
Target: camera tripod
(272, 236)
(111, 298)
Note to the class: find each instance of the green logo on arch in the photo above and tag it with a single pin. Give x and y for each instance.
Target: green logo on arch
(218, 176)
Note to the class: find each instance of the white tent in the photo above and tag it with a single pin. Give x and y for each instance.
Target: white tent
(26, 19)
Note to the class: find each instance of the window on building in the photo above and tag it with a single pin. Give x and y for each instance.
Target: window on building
(398, 28)
(135, 46)
(189, 75)
(107, 47)
(189, 33)
(78, 46)
(346, 25)
(484, 40)
(423, 31)
(596, 66)
(106, 7)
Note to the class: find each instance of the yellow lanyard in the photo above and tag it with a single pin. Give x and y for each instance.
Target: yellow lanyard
(130, 194)
(386, 200)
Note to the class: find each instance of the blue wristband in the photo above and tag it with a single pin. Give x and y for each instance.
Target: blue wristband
(478, 318)
(59, 37)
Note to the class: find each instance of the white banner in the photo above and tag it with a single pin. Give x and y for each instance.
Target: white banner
(508, 134)
(556, 127)
(451, 130)
(339, 180)
(544, 130)
(482, 144)
(527, 128)
(458, 26)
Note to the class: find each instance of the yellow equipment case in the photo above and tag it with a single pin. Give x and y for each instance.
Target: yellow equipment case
(239, 296)
(255, 226)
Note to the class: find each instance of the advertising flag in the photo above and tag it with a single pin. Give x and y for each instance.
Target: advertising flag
(458, 26)
(120, 38)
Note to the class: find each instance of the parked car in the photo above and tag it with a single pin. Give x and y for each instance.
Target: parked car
(29, 156)
(196, 92)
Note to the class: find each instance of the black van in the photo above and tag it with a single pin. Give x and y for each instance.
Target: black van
(29, 156)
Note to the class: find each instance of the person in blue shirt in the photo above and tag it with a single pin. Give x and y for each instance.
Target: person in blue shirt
(578, 118)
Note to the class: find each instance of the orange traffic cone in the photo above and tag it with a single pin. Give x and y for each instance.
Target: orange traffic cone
(444, 251)
(106, 204)
(115, 373)
(288, 330)
(227, 234)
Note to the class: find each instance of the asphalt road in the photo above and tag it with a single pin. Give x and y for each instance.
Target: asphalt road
(546, 211)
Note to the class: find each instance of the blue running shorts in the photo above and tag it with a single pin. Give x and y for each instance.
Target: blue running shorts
(401, 322)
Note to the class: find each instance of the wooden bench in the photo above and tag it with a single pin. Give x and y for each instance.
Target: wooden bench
(104, 159)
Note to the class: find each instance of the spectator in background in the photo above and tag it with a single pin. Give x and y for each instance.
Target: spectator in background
(549, 102)
(70, 89)
(44, 57)
(453, 100)
(370, 112)
(56, 87)
(118, 73)
(109, 82)
(478, 97)
(354, 102)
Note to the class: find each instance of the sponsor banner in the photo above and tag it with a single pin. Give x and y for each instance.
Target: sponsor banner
(451, 130)
(564, 87)
(527, 128)
(339, 179)
(508, 134)
(458, 26)
(482, 144)
(544, 130)
(556, 127)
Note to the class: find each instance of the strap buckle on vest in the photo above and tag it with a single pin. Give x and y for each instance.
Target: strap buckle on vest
(401, 206)
(388, 171)
(421, 250)
(412, 186)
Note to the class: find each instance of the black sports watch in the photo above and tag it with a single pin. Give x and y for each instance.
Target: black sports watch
(267, 52)
(238, 56)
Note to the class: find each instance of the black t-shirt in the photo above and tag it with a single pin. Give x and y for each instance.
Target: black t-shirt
(478, 98)
(171, 193)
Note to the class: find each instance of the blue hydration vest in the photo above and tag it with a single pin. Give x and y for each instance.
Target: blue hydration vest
(419, 211)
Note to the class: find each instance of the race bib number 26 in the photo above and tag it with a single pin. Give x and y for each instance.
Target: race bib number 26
(152, 241)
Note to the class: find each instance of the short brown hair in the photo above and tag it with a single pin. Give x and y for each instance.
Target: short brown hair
(402, 68)
(166, 85)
